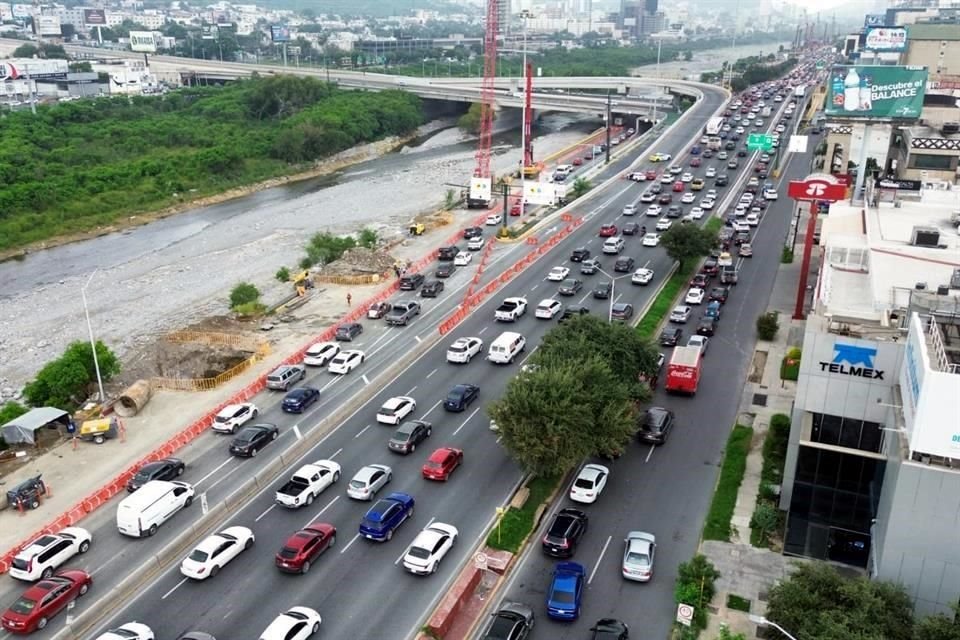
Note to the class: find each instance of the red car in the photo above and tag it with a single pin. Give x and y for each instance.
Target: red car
(700, 281)
(44, 600)
(577, 162)
(695, 162)
(678, 186)
(516, 209)
(442, 462)
(305, 546)
(651, 175)
(761, 166)
(666, 198)
(608, 231)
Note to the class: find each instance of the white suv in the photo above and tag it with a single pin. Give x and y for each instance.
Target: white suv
(41, 557)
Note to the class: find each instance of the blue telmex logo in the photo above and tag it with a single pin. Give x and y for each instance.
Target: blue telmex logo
(853, 360)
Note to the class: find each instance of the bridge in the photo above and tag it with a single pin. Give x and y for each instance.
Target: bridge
(629, 96)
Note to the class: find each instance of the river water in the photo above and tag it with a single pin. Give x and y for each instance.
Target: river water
(709, 60)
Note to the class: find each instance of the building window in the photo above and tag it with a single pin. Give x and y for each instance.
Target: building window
(846, 432)
(932, 162)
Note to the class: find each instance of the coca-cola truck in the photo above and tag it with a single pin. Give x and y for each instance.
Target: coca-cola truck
(683, 371)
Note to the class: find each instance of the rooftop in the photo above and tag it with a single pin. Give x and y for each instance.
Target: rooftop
(876, 257)
(932, 31)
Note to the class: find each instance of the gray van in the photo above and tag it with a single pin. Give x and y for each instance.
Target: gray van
(285, 376)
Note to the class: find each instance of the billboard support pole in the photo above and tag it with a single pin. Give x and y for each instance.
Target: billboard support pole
(99, 35)
(284, 54)
(805, 263)
(861, 166)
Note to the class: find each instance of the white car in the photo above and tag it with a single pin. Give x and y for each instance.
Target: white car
(666, 178)
(654, 210)
(494, 219)
(558, 274)
(475, 243)
(687, 177)
(589, 483)
(707, 204)
(675, 170)
(642, 276)
(753, 219)
(770, 194)
(129, 631)
(741, 130)
(723, 155)
(214, 552)
(346, 361)
(651, 239)
(648, 197)
(429, 547)
(696, 213)
(680, 314)
(320, 354)
(687, 198)
(463, 349)
(396, 409)
(462, 259)
(660, 157)
(234, 416)
(630, 209)
(548, 308)
(40, 558)
(699, 341)
(694, 296)
(368, 481)
(663, 224)
(741, 209)
(711, 172)
(780, 128)
(638, 176)
(299, 623)
(711, 194)
(738, 226)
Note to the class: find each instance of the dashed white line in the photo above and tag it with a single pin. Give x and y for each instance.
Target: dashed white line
(366, 380)
(262, 515)
(349, 544)
(585, 296)
(320, 513)
(650, 453)
(482, 330)
(336, 453)
(223, 477)
(360, 433)
(431, 373)
(435, 405)
(177, 586)
(410, 393)
(417, 338)
(534, 287)
(221, 466)
(464, 423)
(597, 566)
(527, 357)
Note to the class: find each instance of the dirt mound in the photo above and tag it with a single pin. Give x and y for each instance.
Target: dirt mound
(360, 260)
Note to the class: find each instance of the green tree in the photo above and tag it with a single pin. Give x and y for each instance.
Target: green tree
(938, 627)
(27, 50)
(324, 248)
(817, 602)
(123, 29)
(68, 31)
(470, 121)
(688, 55)
(81, 67)
(65, 382)
(580, 187)
(695, 586)
(367, 238)
(10, 411)
(283, 274)
(243, 293)
(684, 242)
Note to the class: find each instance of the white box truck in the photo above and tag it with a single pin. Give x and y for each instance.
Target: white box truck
(141, 513)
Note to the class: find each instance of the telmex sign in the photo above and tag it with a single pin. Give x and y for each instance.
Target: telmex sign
(853, 360)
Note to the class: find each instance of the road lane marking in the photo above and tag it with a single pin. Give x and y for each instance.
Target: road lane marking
(482, 330)
(365, 379)
(417, 338)
(360, 433)
(178, 585)
(412, 389)
(296, 432)
(262, 515)
(430, 410)
(431, 373)
(534, 287)
(617, 299)
(224, 477)
(410, 546)
(650, 453)
(330, 384)
(95, 571)
(464, 423)
(320, 513)
(336, 453)
(349, 544)
(532, 351)
(221, 466)
(586, 295)
(600, 559)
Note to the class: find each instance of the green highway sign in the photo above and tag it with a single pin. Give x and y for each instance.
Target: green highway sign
(759, 142)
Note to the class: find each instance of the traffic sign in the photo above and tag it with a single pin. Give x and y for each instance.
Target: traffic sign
(819, 187)
(685, 614)
(760, 142)
(480, 561)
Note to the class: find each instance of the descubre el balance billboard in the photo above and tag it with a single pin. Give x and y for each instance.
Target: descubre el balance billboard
(876, 92)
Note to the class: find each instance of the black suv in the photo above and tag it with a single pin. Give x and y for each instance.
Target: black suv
(722, 180)
(579, 254)
(670, 336)
(624, 264)
(564, 533)
(674, 211)
(656, 425)
(411, 282)
(573, 310)
(460, 397)
(445, 270)
(432, 289)
(448, 253)
(472, 232)
(603, 290)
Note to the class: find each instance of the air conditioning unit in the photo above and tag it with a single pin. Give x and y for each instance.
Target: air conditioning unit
(950, 128)
(925, 237)
(943, 290)
(955, 279)
(920, 286)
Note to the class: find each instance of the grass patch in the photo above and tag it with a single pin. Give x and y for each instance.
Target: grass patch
(738, 603)
(713, 225)
(516, 524)
(767, 519)
(717, 526)
(664, 301)
(789, 369)
(786, 255)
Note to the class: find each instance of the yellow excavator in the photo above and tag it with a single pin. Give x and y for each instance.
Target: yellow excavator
(302, 282)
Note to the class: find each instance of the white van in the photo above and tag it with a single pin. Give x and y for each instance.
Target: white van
(505, 348)
(141, 513)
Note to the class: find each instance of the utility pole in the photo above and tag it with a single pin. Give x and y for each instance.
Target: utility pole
(608, 128)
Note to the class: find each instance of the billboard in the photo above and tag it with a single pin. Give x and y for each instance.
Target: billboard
(539, 193)
(876, 92)
(280, 33)
(33, 68)
(886, 39)
(46, 25)
(143, 42)
(875, 20)
(207, 32)
(94, 17)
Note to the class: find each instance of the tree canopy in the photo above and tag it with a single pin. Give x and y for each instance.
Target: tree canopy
(66, 381)
(686, 241)
(577, 399)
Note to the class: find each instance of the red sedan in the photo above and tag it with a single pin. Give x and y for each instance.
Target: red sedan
(516, 209)
(608, 231)
(695, 162)
(577, 162)
(442, 463)
(45, 599)
(678, 186)
(760, 166)
(305, 546)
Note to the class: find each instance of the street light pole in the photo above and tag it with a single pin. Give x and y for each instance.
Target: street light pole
(655, 96)
(760, 620)
(608, 128)
(93, 344)
(613, 291)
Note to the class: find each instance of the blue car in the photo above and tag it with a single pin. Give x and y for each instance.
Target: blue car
(297, 400)
(566, 590)
(385, 516)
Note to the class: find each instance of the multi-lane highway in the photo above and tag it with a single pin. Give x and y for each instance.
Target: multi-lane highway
(358, 586)
(666, 490)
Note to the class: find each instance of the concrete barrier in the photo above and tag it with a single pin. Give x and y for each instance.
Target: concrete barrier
(461, 591)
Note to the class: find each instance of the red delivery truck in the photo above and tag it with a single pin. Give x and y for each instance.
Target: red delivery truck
(683, 372)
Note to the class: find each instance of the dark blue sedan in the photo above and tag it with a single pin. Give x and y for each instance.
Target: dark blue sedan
(566, 590)
(299, 399)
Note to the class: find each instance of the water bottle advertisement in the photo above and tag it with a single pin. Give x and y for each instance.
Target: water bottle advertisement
(875, 92)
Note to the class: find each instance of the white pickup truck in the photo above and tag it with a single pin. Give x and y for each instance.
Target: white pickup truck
(307, 483)
(511, 309)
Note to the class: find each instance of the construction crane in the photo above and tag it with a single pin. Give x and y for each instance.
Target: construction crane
(480, 195)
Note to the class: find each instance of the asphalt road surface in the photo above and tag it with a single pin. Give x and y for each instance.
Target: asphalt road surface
(666, 490)
(358, 587)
